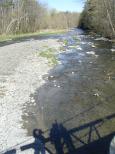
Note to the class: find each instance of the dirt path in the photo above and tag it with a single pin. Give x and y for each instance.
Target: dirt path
(20, 74)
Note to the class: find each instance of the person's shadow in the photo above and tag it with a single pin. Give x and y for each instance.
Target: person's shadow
(88, 144)
(60, 138)
(67, 140)
(38, 145)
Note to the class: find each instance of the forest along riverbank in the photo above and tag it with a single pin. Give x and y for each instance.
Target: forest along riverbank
(21, 71)
(83, 82)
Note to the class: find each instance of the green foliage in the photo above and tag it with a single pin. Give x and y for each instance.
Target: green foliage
(65, 42)
(98, 16)
(50, 55)
(75, 38)
(62, 48)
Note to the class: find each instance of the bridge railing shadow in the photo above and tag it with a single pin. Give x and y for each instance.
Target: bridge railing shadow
(92, 126)
(88, 144)
(93, 144)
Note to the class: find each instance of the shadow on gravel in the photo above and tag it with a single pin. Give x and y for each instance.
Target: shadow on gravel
(11, 152)
(88, 143)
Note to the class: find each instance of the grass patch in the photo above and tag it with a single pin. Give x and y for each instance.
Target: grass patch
(65, 42)
(72, 47)
(50, 55)
(75, 38)
(28, 35)
(62, 48)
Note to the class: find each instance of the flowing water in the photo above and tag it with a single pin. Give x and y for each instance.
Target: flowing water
(80, 89)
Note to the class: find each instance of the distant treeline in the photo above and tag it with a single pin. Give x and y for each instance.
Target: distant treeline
(23, 16)
(99, 16)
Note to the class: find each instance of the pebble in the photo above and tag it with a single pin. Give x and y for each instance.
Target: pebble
(113, 50)
(93, 46)
(102, 39)
(79, 48)
(91, 53)
(96, 94)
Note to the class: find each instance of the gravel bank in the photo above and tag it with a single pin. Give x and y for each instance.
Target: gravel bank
(21, 71)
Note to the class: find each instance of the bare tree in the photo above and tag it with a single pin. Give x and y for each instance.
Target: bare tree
(23, 16)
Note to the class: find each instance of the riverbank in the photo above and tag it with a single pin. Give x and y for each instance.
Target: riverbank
(21, 71)
(28, 35)
(102, 37)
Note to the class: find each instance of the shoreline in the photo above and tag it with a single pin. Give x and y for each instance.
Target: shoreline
(40, 33)
(19, 85)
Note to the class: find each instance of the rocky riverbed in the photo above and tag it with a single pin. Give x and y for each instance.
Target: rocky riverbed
(69, 78)
(21, 71)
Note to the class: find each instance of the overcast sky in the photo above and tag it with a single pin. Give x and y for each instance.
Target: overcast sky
(65, 5)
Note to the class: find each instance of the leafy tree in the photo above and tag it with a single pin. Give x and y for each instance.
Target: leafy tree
(99, 16)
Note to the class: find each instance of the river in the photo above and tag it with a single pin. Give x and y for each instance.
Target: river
(80, 89)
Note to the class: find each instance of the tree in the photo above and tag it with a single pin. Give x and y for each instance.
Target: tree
(99, 16)
(23, 16)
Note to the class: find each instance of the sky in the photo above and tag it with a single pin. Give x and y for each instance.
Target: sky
(65, 5)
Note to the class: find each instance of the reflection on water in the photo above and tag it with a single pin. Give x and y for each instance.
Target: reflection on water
(85, 79)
